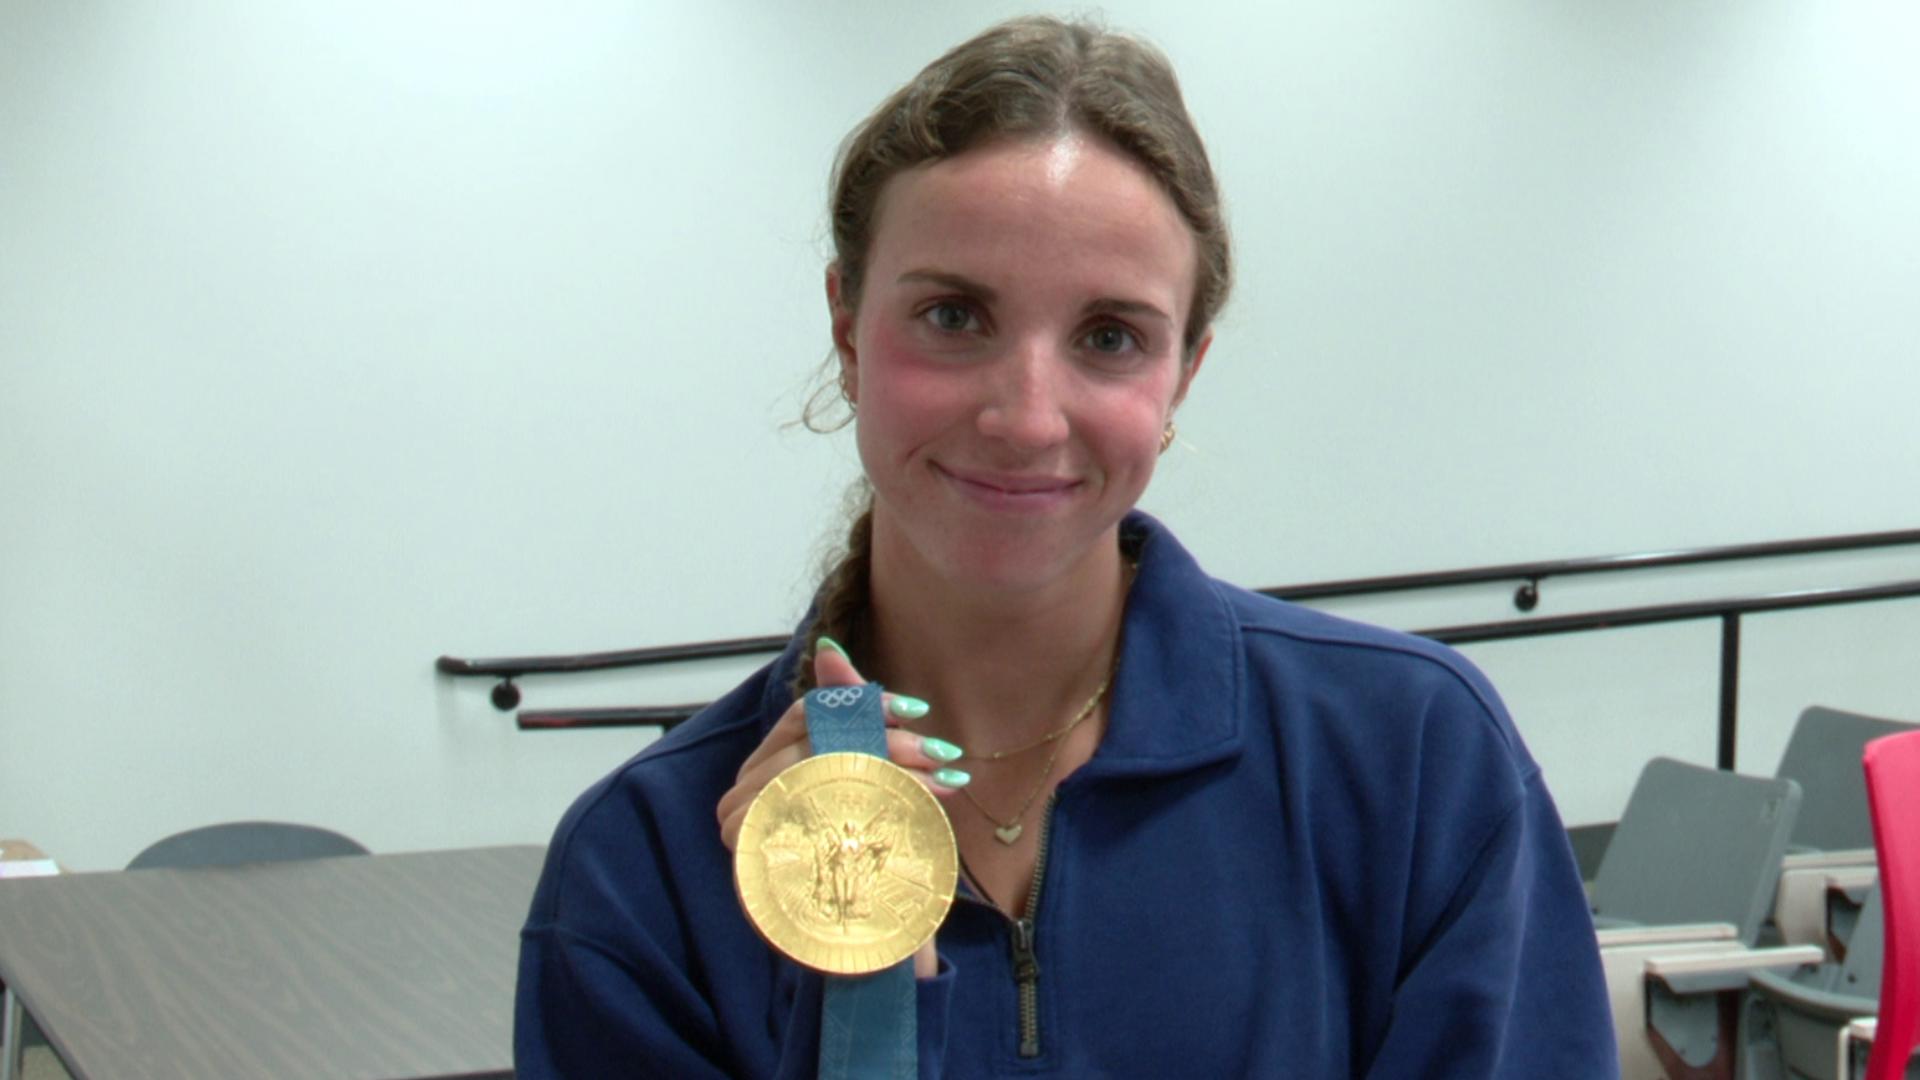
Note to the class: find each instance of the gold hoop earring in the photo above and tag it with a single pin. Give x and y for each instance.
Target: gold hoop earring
(1166, 437)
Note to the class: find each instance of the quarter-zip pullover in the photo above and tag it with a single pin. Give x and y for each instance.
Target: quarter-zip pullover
(1304, 848)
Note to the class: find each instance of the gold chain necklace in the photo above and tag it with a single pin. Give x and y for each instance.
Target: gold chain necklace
(1132, 569)
(1008, 832)
(1055, 735)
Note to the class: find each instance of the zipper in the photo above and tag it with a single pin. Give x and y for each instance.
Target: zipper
(1026, 965)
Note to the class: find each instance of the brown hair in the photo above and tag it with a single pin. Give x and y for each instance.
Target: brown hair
(1029, 77)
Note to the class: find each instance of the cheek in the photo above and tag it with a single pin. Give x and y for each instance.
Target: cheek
(1139, 441)
(904, 396)
(1134, 420)
(903, 369)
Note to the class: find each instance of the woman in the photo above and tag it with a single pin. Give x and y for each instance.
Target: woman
(1202, 832)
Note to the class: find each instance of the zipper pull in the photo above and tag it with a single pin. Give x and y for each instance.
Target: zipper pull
(1026, 982)
(1026, 966)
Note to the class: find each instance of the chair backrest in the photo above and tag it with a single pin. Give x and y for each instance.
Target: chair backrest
(1697, 845)
(1823, 757)
(1892, 765)
(244, 842)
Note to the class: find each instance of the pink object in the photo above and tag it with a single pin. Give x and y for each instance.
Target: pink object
(1893, 794)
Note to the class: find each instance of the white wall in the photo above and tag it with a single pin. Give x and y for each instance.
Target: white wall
(334, 337)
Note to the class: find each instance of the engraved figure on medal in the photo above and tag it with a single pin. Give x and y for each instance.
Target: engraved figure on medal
(846, 863)
(841, 858)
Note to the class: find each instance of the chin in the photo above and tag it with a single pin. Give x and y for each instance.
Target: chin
(1017, 564)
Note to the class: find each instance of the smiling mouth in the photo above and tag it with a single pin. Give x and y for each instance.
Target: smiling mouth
(1012, 492)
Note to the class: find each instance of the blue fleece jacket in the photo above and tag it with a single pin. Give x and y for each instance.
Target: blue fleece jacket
(1304, 848)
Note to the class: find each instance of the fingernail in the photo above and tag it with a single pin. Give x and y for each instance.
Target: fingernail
(952, 778)
(907, 708)
(831, 644)
(939, 749)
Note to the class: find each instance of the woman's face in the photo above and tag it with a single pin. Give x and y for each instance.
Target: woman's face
(1015, 356)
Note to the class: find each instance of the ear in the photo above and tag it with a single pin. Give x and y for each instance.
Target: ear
(1189, 370)
(840, 317)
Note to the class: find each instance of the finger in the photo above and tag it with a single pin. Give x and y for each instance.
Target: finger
(944, 782)
(832, 666)
(730, 827)
(776, 754)
(923, 752)
(904, 709)
(791, 728)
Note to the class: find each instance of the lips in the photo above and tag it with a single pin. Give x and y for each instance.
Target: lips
(1011, 491)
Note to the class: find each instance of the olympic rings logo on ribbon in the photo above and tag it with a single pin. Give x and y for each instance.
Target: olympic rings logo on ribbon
(837, 697)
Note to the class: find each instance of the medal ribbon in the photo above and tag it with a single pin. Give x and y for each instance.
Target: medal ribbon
(868, 1023)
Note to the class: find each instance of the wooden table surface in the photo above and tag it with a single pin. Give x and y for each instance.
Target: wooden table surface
(363, 966)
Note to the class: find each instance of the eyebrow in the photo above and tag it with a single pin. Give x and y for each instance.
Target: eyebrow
(1127, 307)
(955, 282)
(964, 284)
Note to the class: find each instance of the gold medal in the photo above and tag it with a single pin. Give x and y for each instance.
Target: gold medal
(846, 863)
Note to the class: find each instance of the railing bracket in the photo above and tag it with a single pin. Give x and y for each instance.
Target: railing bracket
(1527, 596)
(506, 696)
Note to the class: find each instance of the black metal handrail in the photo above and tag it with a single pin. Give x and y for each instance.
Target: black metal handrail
(506, 669)
(1729, 611)
(1531, 574)
(660, 716)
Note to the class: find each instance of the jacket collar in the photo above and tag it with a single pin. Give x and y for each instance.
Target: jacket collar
(1175, 701)
(1176, 695)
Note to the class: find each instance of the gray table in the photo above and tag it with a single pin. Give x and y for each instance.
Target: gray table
(366, 966)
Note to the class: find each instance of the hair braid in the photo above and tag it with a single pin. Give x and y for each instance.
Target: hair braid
(840, 607)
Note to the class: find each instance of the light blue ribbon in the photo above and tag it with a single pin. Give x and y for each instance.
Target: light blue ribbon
(868, 1023)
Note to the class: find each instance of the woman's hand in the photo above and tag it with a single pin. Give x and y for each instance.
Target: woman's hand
(927, 758)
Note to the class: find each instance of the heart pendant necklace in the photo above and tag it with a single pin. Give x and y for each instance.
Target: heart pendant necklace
(1008, 832)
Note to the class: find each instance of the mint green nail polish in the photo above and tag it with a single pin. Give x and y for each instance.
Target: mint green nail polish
(831, 644)
(953, 778)
(940, 749)
(907, 708)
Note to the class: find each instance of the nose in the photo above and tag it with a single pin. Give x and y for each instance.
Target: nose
(1026, 398)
